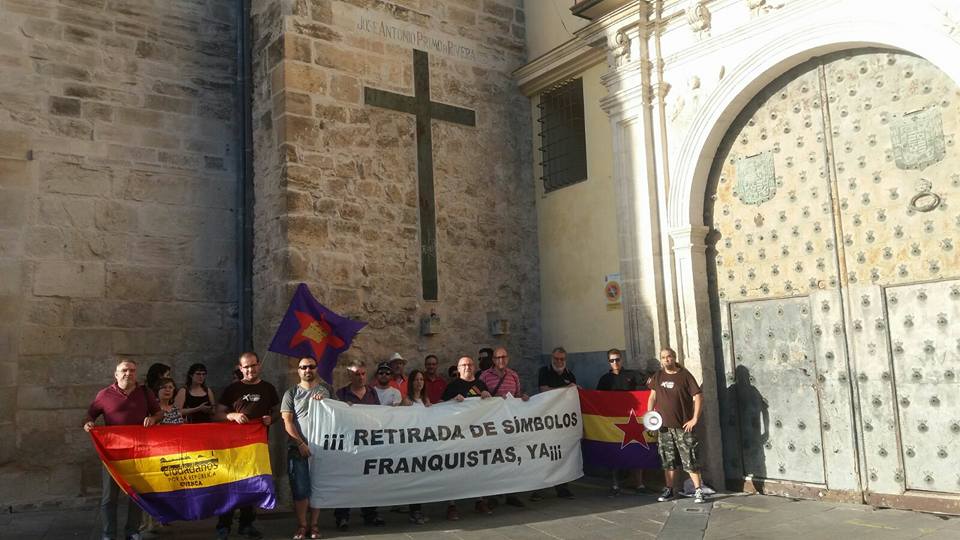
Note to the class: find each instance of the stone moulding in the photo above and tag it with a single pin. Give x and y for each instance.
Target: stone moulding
(588, 48)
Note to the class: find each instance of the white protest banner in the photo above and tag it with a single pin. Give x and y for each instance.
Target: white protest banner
(370, 455)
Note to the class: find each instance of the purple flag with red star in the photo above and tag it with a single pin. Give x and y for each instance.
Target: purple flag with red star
(308, 329)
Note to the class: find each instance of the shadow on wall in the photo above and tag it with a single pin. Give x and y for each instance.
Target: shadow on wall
(754, 416)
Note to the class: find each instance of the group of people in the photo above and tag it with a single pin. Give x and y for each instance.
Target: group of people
(674, 393)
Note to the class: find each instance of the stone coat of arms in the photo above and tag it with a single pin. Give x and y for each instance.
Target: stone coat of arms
(917, 139)
(756, 179)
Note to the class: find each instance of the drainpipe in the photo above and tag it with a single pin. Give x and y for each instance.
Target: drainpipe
(244, 200)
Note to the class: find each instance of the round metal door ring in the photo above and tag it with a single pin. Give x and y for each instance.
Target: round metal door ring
(924, 201)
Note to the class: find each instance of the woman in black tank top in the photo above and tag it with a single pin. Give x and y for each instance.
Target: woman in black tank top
(195, 399)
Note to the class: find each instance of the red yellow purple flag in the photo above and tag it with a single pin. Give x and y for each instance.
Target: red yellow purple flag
(613, 432)
(189, 471)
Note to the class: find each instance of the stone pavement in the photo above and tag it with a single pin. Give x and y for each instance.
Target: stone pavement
(591, 516)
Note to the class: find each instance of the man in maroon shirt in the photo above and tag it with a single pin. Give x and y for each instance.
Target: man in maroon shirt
(434, 382)
(122, 403)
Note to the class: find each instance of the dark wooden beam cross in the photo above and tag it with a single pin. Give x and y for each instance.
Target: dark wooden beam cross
(425, 110)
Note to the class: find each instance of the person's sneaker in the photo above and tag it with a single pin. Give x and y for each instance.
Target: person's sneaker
(698, 496)
(564, 493)
(614, 492)
(417, 518)
(536, 497)
(665, 495)
(375, 520)
(641, 490)
(482, 507)
(452, 513)
(343, 524)
(513, 500)
(250, 532)
(223, 533)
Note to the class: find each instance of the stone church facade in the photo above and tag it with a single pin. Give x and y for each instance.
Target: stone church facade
(169, 171)
(784, 174)
(775, 187)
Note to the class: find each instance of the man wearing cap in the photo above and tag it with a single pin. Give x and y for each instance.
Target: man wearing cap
(398, 379)
(386, 392)
(675, 394)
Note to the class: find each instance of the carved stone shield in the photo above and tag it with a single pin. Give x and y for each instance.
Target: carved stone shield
(917, 139)
(756, 179)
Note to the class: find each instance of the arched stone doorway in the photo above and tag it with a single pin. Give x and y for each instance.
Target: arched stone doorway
(833, 279)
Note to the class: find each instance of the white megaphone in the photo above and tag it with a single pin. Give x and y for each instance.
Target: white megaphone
(652, 421)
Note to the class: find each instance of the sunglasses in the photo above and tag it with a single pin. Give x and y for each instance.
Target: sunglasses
(384, 372)
(312, 366)
(612, 360)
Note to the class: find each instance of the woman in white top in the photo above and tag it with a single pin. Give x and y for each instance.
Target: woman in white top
(417, 397)
(416, 390)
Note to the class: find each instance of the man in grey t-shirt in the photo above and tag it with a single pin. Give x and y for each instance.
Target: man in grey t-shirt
(294, 407)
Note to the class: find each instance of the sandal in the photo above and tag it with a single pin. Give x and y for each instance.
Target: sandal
(314, 532)
(301, 533)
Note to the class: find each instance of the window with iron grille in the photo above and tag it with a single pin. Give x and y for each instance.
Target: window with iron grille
(562, 136)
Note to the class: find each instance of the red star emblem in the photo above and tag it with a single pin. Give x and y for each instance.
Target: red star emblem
(632, 431)
(317, 333)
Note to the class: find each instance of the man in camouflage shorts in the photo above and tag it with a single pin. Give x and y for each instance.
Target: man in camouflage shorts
(675, 394)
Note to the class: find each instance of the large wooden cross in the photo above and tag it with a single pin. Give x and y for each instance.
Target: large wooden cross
(425, 110)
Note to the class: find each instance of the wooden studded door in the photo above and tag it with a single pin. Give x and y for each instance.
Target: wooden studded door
(835, 279)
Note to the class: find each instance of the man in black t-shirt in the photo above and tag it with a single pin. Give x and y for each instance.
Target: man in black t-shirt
(675, 394)
(250, 399)
(622, 379)
(468, 385)
(556, 375)
(459, 389)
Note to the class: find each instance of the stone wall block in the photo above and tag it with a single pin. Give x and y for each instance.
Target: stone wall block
(336, 57)
(17, 174)
(114, 216)
(313, 29)
(306, 230)
(50, 311)
(152, 341)
(204, 285)
(8, 403)
(345, 88)
(61, 106)
(70, 279)
(35, 339)
(75, 178)
(14, 144)
(304, 77)
(89, 342)
(139, 283)
(11, 243)
(161, 251)
(13, 207)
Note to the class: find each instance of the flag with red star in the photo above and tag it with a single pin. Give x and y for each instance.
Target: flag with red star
(309, 329)
(613, 432)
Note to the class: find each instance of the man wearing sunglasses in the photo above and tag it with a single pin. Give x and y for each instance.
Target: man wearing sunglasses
(294, 408)
(622, 379)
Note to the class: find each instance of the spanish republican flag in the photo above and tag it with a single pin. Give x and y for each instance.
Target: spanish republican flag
(613, 432)
(189, 471)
